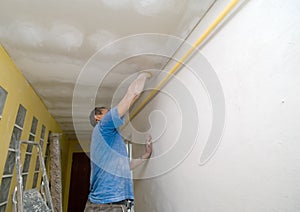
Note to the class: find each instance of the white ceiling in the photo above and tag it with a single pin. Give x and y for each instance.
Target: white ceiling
(52, 41)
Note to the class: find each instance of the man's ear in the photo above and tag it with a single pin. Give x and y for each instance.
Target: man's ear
(92, 118)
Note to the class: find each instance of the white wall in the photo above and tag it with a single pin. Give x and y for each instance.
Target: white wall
(256, 58)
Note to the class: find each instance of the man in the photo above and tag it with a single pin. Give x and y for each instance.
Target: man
(110, 182)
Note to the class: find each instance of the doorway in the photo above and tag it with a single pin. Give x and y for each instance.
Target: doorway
(79, 184)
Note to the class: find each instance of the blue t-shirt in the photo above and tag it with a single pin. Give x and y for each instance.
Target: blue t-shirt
(110, 166)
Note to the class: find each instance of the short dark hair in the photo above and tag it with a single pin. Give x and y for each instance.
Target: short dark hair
(96, 111)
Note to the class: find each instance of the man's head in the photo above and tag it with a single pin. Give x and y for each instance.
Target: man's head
(97, 114)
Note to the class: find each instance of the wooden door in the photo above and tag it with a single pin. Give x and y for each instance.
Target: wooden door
(80, 180)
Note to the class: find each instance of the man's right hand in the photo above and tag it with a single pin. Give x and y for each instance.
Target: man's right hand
(148, 148)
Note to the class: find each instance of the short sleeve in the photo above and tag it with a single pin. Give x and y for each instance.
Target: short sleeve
(111, 121)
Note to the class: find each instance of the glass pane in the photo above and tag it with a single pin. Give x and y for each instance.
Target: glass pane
(37, 164)
(4, 188)
(3, 94)
(16, 136)
(47, 153)
(10, 163)
(31, 138)
(34, 125)
(29, 146)
(3, 208)
(35, 178)
(24, 178)
(21, 116)
(45, 160)
(41, 144)
(43, 132)
(26, 163)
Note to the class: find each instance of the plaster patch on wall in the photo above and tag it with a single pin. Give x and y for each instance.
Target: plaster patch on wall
(30, 35)
(38, 55)
(146, 7)
(150, 43)
(116, 4)
(65, 36)
(139, 44)
(101, 38)
(22, 33)
(59, 90)
(152, 7)
(140, 62)
(61, 72)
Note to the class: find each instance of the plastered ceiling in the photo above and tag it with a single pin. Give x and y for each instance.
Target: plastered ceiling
(52, 41)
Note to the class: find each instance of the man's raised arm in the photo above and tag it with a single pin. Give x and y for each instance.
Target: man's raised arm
(133, 93)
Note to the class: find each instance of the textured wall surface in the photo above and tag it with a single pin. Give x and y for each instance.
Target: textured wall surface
(20, 92)
(52, 52)
(254, 166)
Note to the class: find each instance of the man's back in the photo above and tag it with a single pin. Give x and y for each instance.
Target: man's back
(110, 171)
